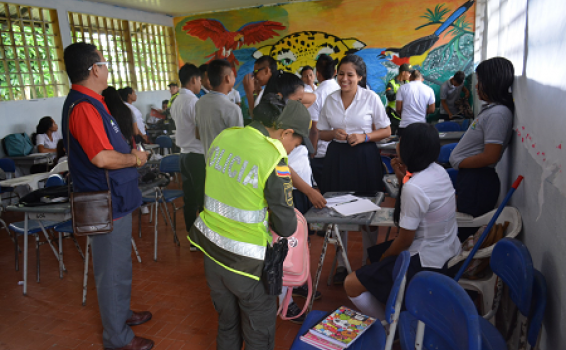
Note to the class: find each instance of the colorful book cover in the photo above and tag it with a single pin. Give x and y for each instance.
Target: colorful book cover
(319, 343)
(342, 327)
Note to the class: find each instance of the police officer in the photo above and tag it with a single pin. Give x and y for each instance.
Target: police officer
(243, 181)
(391, 94)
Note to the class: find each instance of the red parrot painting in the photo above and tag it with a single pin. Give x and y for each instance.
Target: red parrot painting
(226, 41)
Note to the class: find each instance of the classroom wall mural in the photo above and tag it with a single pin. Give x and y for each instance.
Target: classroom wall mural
(434, 36)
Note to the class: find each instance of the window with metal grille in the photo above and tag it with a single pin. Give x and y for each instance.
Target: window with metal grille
(31, 53)
(141, 55)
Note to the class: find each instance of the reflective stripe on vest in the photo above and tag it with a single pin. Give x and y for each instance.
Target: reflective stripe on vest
(229, 212)
(396, 86)
(239, 248)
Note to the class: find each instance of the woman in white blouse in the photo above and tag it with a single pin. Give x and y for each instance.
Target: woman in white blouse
(353, 118)
(46, 135)
(425, 213)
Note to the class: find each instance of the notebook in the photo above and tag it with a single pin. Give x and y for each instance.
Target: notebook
(341, 328)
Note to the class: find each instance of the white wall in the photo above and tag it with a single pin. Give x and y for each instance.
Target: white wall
(22, 116)
(532, 35)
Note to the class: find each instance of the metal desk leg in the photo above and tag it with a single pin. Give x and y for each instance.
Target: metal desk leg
(60, 255)
(320, 263)
(155, 233)
(339, 243)
(136, 250)
(26, 255)
(51, 245)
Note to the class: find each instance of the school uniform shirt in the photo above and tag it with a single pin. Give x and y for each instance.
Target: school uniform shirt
(308, 88)
(450, 93)
(234, 96)
(366, 109)
(258, 98)
(428, 205)
(324, 89)
(494, 125)
(416, 98)
(137, 117)
(183, 113)
(43, 139)
(299, 161)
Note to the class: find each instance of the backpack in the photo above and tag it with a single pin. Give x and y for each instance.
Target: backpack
(44, 196)
(17, 145)
(296, 267)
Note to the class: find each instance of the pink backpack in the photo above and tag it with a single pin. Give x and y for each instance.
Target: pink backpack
(296, 267)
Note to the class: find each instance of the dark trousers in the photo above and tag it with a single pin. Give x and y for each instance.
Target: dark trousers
(112, 263)
(316, 165)
(245, 311)
(477, 190)
(391, 113)
(193, 173)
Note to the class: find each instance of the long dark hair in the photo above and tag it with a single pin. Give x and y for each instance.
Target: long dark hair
(359, 65)
(42, 127)
(418, 148)
(495, 78)
(119, 111)
(269, 109)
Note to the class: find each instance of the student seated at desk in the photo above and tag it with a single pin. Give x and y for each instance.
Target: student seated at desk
(425, 213)
(46, 136)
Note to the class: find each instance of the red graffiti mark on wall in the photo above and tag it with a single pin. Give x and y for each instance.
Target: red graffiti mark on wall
(559, 146)
(533, 145)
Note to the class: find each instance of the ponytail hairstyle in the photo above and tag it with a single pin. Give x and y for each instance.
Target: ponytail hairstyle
(125, 92)
(359, 65)
(271, 86)
(42, 127)
(287, 84)
(119, 111)
(269, 109)
(419, 147)
(495, 78)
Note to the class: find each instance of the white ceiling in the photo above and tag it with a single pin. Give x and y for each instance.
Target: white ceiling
(186, 7)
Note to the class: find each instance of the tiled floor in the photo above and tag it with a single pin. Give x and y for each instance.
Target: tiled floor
(173, 288)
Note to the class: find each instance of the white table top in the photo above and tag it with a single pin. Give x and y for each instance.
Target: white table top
(30, 180)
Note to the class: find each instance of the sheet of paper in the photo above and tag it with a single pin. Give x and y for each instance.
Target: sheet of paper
(356, 207)
(340, 199)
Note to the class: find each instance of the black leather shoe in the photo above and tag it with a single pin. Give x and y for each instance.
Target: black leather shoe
(303, 292)
(340, 275)
(294, 310)
(137, 343)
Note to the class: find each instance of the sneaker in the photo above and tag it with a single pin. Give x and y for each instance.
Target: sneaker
(144, 210)
(303, 292)
(294, 310)
(340, 275)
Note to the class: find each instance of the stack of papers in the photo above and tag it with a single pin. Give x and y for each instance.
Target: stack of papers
(348, 205)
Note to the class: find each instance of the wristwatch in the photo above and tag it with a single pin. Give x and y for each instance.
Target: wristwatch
(138, 161)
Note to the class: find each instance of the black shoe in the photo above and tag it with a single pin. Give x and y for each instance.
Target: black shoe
(340, 275)
(303, 292)
(294, 310)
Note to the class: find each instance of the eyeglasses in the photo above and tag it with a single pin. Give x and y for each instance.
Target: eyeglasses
(107, 64)
(258, 70)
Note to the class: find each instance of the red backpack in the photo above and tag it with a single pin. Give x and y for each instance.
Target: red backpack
(296, 267)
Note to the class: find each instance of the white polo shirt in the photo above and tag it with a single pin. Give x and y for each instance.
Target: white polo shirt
(366, 109)
(428, 205)
(416, 98)
(137, 117)
(324, 89)
(183, 113)
(299, 161)
(234, 96)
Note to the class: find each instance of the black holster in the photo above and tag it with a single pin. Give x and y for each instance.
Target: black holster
(273, 267)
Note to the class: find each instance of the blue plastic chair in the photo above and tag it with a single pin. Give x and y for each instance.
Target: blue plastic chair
(34, 228)
(447, 126)
(387, 162)
(169, 164)
(447, 315)
(453, 173)
(164, 142)
(445, 152)
(376, 337)
(538, 306)
(54, 180)
(465, 125)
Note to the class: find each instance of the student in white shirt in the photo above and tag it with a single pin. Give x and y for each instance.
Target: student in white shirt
(234, 97)
(425, 213)
(353, 118)
(129, 96)
(325, 73)
(193, 169)
(307, 76)
(414, 101)
(46, 135)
